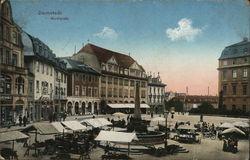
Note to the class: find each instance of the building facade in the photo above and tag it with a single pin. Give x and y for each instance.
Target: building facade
(234, 76)
(13, 74)
(49, 80)
(156, 93)
(193, 101)
(83, 88)
(120, 73)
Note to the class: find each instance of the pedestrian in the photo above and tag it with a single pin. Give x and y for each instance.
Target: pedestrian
(50, 117)
(64, 116)
(20, 120)
(24, 121)
(54, 116)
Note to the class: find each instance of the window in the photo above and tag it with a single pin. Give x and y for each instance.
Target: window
(14, 37)
(19, 85)
(132, 83)
(225, 62)
(234, 90)
(245, 60)
(5, 84)
(47, 71)
(109, 92)
(234, 73)
(1, 56)
(90, 78)
(120, 92)
(126, 82)
(244, 89)
(116, 81)
(143, 84)
(51, 89)
(120, 81)
(234, 61)
(83, 91)
(14, 59)
(51, 71)
(224, 75)
(37, 87)
(109, 80)
(89, 91)
(115, 92)
(245, 72)
(76, 90)
(143, 94)
(64, 91)
(103, 79)
(224, 90)
(244, 108)
(45, 86)
(30, 87)
(103, 92)
(95, 92)
(126, 93)
(42, 68)
(7, 33)
(7, 58)
(37, 66)
(56, 93)
(132, 93)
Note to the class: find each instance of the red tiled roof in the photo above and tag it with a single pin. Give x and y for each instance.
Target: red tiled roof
(103, 55)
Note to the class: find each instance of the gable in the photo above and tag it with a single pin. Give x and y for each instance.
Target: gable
(135, 66)
(112, 60)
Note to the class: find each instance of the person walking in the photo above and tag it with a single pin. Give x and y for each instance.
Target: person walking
(20, 120)
(24, 121)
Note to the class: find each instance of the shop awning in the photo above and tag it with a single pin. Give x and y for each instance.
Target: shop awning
(42, 128)
(12, 135)
(97, 122)
(60, 127)
(127, 105)
(74, 125)
(112, 136)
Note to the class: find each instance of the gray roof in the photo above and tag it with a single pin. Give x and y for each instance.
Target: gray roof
(12, 135)
(79, 66)
(241, 49)
(35, 47)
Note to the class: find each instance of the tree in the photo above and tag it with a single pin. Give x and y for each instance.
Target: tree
(206, 107)
(178, 105)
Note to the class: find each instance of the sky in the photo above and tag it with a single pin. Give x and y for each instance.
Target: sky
(180, 39)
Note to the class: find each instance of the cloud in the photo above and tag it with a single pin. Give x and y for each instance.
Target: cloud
(107, 33)
(184, 31)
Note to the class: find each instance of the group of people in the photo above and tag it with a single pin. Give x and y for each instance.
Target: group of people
(54, 116)
(22, 120)
(230, 145)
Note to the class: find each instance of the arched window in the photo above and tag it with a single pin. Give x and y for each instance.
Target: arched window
(19, 85)
(5, 84)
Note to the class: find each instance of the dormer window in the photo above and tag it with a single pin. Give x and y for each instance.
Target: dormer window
(234, 61)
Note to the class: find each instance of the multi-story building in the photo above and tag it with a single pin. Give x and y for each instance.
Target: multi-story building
(49, 78)
(13, 74)
(120, 73)
(83, 88)
(156, 93)
(193, 101)
(234, 76)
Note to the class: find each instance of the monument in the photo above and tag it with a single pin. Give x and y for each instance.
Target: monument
(137, 110)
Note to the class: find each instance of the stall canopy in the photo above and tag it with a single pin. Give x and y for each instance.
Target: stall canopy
(11, 136)
(127, 105)
(97, 122)
(59, 127)
(42, 128)
(241, 124)
(226, 125)
(74, 125)
(104, 121)
(112, 136)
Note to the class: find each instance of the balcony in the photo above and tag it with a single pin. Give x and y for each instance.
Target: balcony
(9, 68)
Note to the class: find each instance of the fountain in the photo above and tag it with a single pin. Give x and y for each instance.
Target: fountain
(138, 125)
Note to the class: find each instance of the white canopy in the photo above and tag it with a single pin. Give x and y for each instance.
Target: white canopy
(97, 122)
(74, 125)
(233, 130)
(241, 124)
(59, 127)
(12, 135)
(127, 105)
(226, 125)
(104, 121)
(92, 122)
(112, 136)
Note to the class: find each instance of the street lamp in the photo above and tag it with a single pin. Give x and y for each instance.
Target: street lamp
(166, 129)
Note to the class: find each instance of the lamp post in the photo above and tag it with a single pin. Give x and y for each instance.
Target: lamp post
(166, 129)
